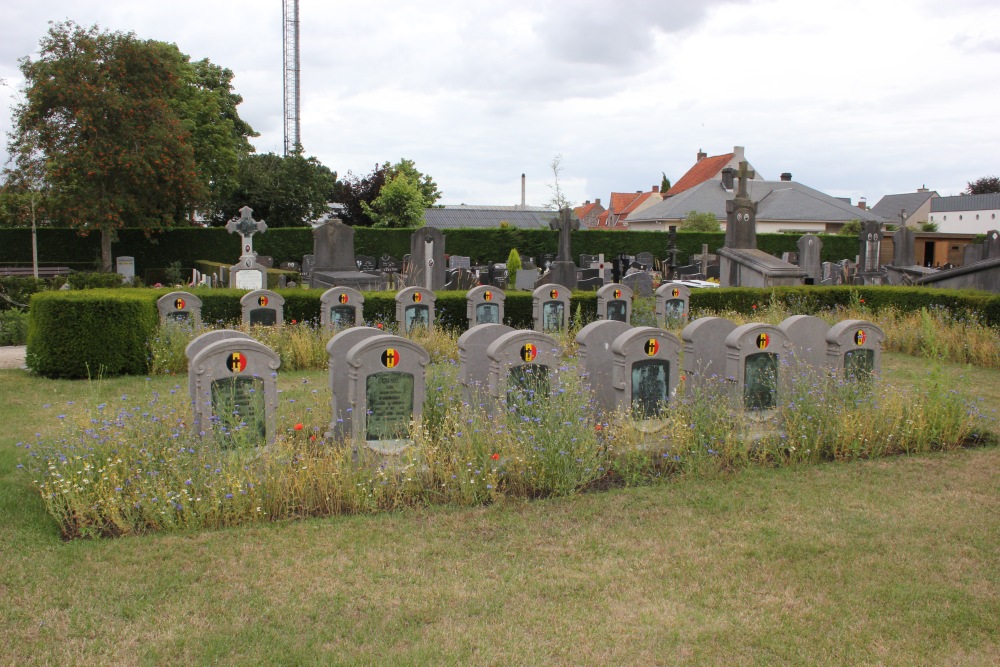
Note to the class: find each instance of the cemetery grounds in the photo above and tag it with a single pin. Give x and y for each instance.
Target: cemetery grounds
(858, 560)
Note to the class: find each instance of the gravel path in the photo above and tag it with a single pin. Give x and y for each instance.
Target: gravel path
(12, 356)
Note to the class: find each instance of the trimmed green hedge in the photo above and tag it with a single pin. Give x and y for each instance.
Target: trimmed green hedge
(211, 268)
(89, 333)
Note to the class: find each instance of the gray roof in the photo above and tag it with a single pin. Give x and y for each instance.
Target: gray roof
(777, 201)
(990, 202)
(889, 206)
(485, 217)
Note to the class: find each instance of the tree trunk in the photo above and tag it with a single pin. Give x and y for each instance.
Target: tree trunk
(106, 250)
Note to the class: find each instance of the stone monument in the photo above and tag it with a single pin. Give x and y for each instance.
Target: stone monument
(334, 263)
(562, 270)
(247, 274)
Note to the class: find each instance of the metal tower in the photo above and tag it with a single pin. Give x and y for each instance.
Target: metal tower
(290, 42)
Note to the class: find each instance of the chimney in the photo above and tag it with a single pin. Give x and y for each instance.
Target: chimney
(656, 189)
(586, 203)
(923, 188)
(522, 191)
(738, 154)
(863, 204)
(597, 202)
(727, 178)
(701, 155)
(786, 176)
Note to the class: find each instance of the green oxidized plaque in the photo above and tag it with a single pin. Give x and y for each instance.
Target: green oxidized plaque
(238, 405)
(389, 401)
(553, 315)
(650, 387)
(760, 381)
(859, 364)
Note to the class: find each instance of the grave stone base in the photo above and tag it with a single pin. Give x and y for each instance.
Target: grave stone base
(359, 280)
(743, 267)
(559, 273)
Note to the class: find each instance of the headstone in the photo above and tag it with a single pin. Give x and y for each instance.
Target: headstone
(460, 279)
(125, 267)
(235, 391)
(366, 263)
(308, 262)
(427, 266)
(546, 261)
(340, 405)
(388, 264)
(741, 214)
(903, 240)
(485, 305)
(290, 266)
(991, 246)
(594, 360)
(524, 367)
(266, 261)
(614, 302)
(192, 350)
(459, 262)
(705, 350)
(645, 371)
(334, 263)
(870, 250)
(473, 364)
(550, 308)
(647, 260)
(587, 260)
(807, 335)
(386, 391)
(562, 270)
(179, 307)
(247, 274)
(754, 357)
(264, 308)
(415, 308)
(672, 304)
(854, 349)
(640, 282)
(810, 249)
(525, 279)
(341, 308)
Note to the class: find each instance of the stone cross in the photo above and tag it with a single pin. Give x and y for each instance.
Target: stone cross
(565, 225)
(744, 174)
(246, 226)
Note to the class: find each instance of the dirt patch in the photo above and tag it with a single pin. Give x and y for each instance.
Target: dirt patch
(12, 356)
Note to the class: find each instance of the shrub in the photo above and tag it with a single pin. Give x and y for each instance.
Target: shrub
(13, 327)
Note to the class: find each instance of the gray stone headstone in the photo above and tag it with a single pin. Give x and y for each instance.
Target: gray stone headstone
(645, 371)
(647, 260)
(366, 263)
(741, 214)
(810, 256)
(333, 247)
(524, 367)
(755, 354)
(705, 349)
(415, 308)
(485, 305)
(854, 349)
(459, 262)
(179, 307)
(308, 262)
(550, 308)
(614, 302)
(991, 246)
(427, 266)
(902, 247)
(341, 308)
(192, 350)
(474, 364)
(263, 307)
(525, 279)
(248, 275)
(336, 350)
(266, 261)
(594, 360)
(672, 304)
(235, 391)
(125, 267)
(807, 335)
(640, 282)
(870, 246)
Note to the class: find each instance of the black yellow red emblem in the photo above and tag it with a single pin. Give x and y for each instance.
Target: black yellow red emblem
(179, 304)
(860, 337)
(262, 300)
(554, 294)
(675, 292)
(417, 297)
(344, 298)
(487, 296)
(763, 340)
(529, 352)
(652, 347)
(390, 358)
(236, 362)
(618, 294)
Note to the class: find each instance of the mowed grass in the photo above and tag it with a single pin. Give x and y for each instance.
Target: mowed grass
(895, 561)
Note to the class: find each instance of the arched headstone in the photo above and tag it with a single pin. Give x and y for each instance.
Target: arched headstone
(673, 304)
(645, 370)
(614, 302)
(179, 307)
(415, 308)
(263, 307)
(754, 357)
(341, 308)
(595, 360)
(550, 308)
(854, 349)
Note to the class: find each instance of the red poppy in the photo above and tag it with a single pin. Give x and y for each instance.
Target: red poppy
(754, 306)
(298, 427)
(294, 322)
(495, 457)
(598, 427)
(379, 325)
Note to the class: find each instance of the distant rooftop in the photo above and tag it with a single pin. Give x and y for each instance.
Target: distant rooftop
(489, 217)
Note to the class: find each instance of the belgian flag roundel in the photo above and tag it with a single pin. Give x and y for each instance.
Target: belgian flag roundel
(417, 297)
(179, 304)
(675, 292)
(554, 294)
(763, 340)
(487, 296)
(344, 298)
(262, 300)
(237, 362)
(529, 352)
(860, 337)
(652, 347)
(390, 358)
(618, 294)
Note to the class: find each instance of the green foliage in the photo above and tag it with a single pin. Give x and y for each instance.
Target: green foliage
(400, 204)
(90, 333)
(13, 327)
(700, 222)
(665, 183)
(850, 228)
(928, 226)
(983, 186)
(513, 263)
(90, 281)
(428, 188)
(212, 268)
(15, 291)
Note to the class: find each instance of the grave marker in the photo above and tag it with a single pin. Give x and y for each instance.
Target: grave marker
(550, 308)
(705, 350)
(807, 335)
(614, 302)
(192, 350)
(524, 366)
(247, 274)
(341, 308)
(179, 307)
(474, 364)
(595, 360)
(645, 370)
(339, 382)
(263, 307)
(673, 304)
(754, 357)
(415, 308)
(485, 305)
(854, 348)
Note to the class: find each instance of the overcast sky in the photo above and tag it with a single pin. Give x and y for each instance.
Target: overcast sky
(854, 98)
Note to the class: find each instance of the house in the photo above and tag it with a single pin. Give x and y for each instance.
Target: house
(782, 206)
(625, 204)
(966, 214)
(489, 217)
(908, 208)
(709, 169)
(589, 213)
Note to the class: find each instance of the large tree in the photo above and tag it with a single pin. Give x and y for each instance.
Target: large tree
(358, 193)
(700, 222)
(983, 186)
(98, 120)
(425, 184)
(400, 203)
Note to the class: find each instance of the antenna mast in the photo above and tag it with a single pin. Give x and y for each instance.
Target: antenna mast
(290, 42)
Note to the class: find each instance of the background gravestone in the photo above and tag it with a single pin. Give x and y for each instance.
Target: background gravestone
(903, 240)
(485, 305)
(192, 350)
(754, 357)
(341, 307)
(125, 267)
(263, 307)
(459, 262)
(854, 348)
(366, 263)
(524, 366)
(473, 364)
(179, 307)
(236, 391)
(340, 406)
(647, 260)
(810, 249)
(614, 302)
(991, 246)
(427, 266)
(550, 308)
(415, 308)
(594, 360)
(388, 264)
(672, 304)
(247, 273)
(645, 370)
(640, 282)
(705, 350)
(334, 264)
(808, 338)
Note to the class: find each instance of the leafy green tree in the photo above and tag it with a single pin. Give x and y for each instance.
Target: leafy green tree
(984, 186)
(354, 191)
(850, 228)
(98, 122)
(513, 262)
(428, 188)
(400, 204)
(700, 222)
(665, 183)
(284, 191)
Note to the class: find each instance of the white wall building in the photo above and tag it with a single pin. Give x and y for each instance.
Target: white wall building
(966, 214)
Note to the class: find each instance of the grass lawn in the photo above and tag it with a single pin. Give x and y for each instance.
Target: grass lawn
(894, 561)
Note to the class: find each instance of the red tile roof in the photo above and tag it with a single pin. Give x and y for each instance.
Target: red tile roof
(703, 170)
(640, 198)
(584, 211)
